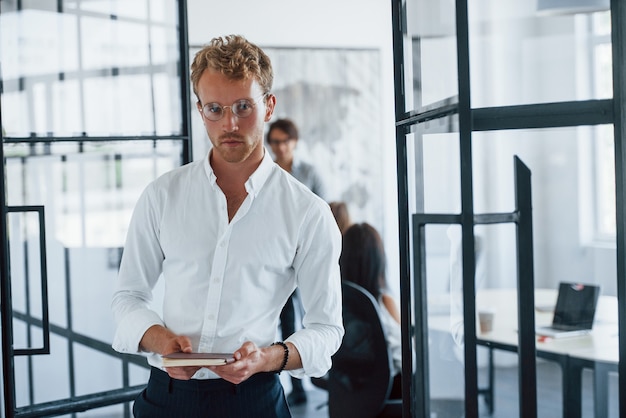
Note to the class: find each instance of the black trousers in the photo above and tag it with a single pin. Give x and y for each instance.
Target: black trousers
(261, 396)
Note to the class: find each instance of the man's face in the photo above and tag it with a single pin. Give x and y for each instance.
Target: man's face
(234, 138)
(282, 145)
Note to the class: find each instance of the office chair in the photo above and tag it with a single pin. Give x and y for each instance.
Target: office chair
(360, 379)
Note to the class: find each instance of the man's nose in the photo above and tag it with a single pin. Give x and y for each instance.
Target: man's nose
(230, 119)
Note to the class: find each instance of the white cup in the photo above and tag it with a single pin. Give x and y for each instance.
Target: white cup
(486, 316)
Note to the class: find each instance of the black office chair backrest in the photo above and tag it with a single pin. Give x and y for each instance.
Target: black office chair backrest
(360, 379)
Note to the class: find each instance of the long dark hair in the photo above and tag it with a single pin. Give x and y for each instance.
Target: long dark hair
(362, 259)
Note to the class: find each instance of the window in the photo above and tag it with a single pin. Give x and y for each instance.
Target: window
(603, 146)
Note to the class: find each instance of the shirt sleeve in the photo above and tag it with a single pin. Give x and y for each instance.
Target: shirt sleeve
(318, 279)
(139, 271)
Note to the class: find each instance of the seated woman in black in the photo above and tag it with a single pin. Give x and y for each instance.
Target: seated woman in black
(363, 262)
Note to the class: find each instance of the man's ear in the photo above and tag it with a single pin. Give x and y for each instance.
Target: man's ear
(270, 104)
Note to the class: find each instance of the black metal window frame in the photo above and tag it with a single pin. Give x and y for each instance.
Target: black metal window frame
(95, 400)
(563, 114)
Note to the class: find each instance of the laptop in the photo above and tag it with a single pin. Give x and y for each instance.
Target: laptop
(574, 311)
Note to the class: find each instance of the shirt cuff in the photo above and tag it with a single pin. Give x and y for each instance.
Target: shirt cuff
(131, 329)
(315, 357)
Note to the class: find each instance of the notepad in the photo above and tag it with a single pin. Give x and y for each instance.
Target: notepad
(197, 359)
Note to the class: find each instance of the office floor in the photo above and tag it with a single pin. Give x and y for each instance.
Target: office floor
(315, 407)
(506, 393)
(548, 392)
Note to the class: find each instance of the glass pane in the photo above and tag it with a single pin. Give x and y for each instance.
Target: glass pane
(445, 321)
(572, 177)
(430, 55)
(97, 68)
(434, 166)
(434, 179)
(88, 192)
(26, 283)
(521, 53)
(442, 173)
(569, 246)
(602, 149)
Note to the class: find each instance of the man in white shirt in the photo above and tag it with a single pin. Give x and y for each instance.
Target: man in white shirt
(232, 236)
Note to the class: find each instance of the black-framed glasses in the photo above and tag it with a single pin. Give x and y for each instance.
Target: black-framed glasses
(242, 108)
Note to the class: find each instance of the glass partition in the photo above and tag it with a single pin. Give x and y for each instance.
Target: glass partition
(91, 69)
(88, 194)
(430, 70)
(571, 174)
(435, 188)
(573, 180)
(545, 65)
(569, 247)
(94, 106)
(445, 321)
(520, 54)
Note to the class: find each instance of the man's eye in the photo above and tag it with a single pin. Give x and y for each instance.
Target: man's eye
(243, 105)
(213, 108)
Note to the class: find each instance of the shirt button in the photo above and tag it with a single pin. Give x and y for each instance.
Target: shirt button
(211, 317)
(216, 280)
(222, 244)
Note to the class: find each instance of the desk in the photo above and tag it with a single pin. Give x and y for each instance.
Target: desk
(598, 350)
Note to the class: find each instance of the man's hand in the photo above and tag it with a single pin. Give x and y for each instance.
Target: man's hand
(249, 360)
(176, 344)
(161, 340)
(182, 373)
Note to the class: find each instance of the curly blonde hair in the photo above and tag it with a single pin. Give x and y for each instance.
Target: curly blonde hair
(235, 57)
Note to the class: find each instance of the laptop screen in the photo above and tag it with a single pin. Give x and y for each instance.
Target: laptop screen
(576, 305)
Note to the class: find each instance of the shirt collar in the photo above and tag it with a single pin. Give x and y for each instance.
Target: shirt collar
(208, 170)
(261, 174)
(255, 181)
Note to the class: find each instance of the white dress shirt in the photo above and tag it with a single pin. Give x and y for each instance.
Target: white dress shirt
(226, 283)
